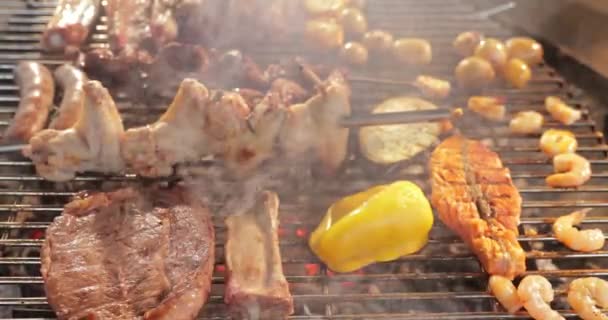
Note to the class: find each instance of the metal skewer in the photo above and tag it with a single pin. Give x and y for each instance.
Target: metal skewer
(9, 148)
(400, 117)
(350, 122)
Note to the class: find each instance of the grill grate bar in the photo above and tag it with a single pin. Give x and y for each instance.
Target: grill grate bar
(19, 40)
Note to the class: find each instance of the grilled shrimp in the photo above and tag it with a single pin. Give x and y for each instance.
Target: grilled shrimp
(526, 122)
(505, 292)
(535, 292)
(585, 294)
(554, 142)
(578, 240)
(432, 87)
(571, 170)
(560, 111)
(491, 108)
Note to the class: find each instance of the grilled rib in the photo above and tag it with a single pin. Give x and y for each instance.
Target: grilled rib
(475, 197)
(255, 284)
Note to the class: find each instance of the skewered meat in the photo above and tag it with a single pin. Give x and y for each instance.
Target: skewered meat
(91, 144)
(474, 196)
(129, 255)
(203, 124)
(256, 287)
(265, 122)
(72, 80)
(152, 150)
(315, 125)
(220, 123)
(36, 89)
(70, 24)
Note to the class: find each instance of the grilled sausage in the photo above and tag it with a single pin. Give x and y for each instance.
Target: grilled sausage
(128, 24)
(71, 80)
(70, 24)
(37, 89)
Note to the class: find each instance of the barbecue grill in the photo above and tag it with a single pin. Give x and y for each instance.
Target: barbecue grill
(444, 281)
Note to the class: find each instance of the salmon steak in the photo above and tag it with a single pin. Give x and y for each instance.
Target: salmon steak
(474, 196)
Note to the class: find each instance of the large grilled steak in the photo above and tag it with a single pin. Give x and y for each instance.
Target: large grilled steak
(474, 196)
(129, 255)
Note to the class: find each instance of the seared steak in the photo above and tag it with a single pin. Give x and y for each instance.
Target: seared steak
(256, 287)
(129, 255)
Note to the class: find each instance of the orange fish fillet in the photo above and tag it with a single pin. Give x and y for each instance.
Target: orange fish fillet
(474, 196)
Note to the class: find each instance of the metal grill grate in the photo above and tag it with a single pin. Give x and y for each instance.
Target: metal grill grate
(444, 281)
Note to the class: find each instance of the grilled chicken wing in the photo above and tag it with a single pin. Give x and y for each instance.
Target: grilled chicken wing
(91, 144)
(196, 124)
(153, 150)
(314, 125)
(36, 89)
(474, 196)
(72, 80)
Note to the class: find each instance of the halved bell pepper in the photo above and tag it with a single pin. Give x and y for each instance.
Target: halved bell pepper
(380, 224)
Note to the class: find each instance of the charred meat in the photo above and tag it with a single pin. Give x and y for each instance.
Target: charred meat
(256, 287)
(474, 195)
(36, 89)
(129, 255)
(70, 24)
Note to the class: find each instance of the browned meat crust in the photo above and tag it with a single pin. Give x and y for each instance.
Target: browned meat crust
(36, 90)
(474, 196)
(129, 255)
(71, 80)
(256, 287)
(70, 24)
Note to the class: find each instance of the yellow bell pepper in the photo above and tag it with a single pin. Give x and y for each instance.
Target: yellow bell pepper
(380, 224)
